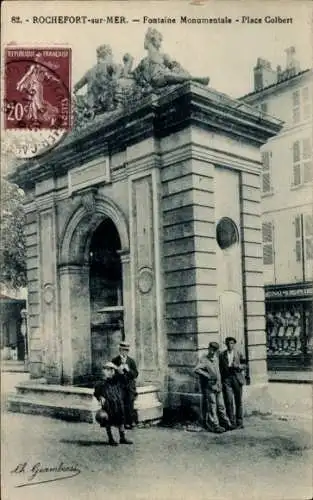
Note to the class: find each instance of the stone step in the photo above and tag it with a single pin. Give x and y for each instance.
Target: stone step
(75, 403)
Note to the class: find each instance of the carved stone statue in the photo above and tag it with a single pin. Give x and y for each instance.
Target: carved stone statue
(157, 69)
(126, 85)
(101, 85)
(112, 87)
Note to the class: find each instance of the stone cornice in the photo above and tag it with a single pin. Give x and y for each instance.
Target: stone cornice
(186, 105)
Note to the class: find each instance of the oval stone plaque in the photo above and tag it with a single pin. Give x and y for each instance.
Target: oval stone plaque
(145, 280)
(227, 233)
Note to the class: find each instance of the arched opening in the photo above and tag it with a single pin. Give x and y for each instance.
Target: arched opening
(106, 293)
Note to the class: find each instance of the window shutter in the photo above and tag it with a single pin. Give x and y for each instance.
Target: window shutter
(296, 98)
(308, 233)
(267, 237)
(296, 163)
(296, 106)
(307, 160)
(296, 151)
(266, 183)
(266, 172)
(306, 103)
(308, 225)
(298, 238)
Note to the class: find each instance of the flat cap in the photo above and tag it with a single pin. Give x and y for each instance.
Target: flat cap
(124, 345)
(214, 345)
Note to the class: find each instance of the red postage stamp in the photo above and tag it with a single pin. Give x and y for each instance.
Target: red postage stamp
(37, 87)
(37, 98)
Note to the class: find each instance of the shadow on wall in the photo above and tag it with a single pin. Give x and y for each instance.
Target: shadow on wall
(182, 403)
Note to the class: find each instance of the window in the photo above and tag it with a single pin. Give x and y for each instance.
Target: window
(296, 107)
(266, 172)
(304, 223)
(267, 238)
(308, 236)
(298, 238)
(302, 162)
(301, 105)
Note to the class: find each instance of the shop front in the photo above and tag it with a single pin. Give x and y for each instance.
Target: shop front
(289, 326)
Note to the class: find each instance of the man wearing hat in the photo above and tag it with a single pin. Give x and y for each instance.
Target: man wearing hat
(232, 366)
(109, 393)
(128, 369)
(213, 410)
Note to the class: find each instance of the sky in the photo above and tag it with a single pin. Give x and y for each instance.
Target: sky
(226, 53)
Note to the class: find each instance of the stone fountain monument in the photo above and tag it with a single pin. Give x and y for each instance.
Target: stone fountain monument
(144, 224)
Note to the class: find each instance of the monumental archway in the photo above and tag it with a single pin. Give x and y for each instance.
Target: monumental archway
(90, 211)
(106, 294)
(82, 316)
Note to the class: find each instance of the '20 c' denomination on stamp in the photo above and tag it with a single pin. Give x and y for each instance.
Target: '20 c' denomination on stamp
(37, 98)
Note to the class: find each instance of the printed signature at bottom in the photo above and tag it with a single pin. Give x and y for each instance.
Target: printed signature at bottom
(39, 473)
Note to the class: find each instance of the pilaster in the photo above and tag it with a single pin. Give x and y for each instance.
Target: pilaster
(49, 302)
(253, 286)
(75, 323)
(35, 334)
(145, 274)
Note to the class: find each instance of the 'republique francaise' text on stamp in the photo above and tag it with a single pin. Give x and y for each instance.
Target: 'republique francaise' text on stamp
(37, 98)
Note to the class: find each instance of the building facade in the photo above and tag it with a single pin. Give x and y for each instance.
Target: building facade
(287, 219)
(12, 307)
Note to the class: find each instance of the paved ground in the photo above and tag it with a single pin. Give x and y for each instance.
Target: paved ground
(269, 459)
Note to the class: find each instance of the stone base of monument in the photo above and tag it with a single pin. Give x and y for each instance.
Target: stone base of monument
(258, 399)
(75, 403)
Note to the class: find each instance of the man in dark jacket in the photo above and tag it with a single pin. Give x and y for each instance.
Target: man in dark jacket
(232, 366)
(213, 410)
(128, 369)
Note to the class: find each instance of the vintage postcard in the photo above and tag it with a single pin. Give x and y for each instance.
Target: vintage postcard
(156, 250)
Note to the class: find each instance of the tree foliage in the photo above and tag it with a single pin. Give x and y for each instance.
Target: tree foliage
(12, 248)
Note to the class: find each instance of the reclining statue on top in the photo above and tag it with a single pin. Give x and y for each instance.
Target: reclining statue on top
(101, 82)
(158, 69)
(112, 86)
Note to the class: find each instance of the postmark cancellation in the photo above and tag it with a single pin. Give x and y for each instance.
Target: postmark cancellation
(37, 111)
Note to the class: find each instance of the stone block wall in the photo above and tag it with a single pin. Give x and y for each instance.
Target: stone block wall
(189, 265)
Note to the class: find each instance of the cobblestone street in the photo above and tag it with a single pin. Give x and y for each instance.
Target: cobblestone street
(269, 459)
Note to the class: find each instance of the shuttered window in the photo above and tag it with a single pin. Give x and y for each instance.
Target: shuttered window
(298, 238)
(267, 237)
(296, 115)
(302, 162)
(307, 160)
(308, 236)
(301, 105)
(266, 172)
(306, 104)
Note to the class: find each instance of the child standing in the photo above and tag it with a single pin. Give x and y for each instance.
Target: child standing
(109, 392)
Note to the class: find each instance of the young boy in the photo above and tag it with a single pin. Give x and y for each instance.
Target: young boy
(109, 392)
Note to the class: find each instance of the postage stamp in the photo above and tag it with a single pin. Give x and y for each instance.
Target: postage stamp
(37, 98)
